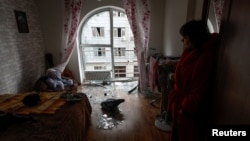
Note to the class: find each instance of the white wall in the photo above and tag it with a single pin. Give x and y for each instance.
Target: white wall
(177, 12)
(50, 12)
(21, 54)
(175, 16)
(156, 26)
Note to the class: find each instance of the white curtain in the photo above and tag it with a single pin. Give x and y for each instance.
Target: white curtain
(218, 8)
(72, 10)
(138, 13)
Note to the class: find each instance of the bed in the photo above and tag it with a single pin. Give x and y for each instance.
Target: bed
(52, 119)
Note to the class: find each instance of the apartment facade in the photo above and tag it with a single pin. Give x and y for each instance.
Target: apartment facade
(107, 47)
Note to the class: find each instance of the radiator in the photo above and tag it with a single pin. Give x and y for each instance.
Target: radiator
(97, 75)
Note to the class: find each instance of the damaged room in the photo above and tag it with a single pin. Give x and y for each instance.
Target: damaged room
(124, 70)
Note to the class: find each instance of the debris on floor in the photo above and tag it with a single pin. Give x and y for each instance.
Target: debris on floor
(107, 122)
(111, 104)
(105, 100)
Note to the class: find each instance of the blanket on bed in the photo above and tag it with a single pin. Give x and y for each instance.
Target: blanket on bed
(48, 121)
(49, 103)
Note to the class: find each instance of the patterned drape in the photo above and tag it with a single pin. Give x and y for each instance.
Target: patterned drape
(72, 10)
(138, 13)
(218, 8)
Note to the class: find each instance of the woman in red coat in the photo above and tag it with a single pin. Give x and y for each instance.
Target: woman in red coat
(187, 102)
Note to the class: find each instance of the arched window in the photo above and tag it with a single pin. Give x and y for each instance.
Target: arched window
(106, 45)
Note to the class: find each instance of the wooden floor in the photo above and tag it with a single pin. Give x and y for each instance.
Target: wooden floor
(136, 116)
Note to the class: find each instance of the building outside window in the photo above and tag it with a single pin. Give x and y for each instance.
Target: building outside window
(99, 67)
(119, 51)
(115, 48)
(136, 71)
(120, 71)
(118, 14)
(98, 31)
(119, 31)
(100, 52)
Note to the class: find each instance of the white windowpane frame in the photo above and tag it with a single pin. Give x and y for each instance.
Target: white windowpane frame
(106, 45)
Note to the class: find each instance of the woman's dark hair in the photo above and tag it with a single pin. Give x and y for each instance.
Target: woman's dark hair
(197, 32)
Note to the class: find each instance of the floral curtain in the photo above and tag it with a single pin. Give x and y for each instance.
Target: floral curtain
(72, 10)
(138, 13)
(218, 8)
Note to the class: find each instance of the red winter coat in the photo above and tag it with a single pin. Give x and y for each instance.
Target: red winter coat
(192, 84)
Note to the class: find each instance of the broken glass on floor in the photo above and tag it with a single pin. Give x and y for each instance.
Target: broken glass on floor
(97, 93)
(107, 122)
